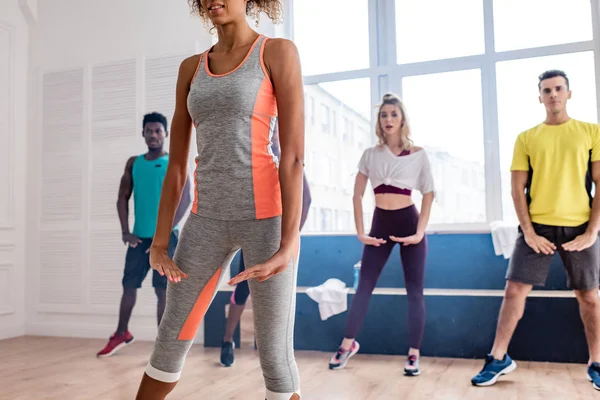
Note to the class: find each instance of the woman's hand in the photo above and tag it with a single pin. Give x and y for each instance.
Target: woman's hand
(408, 240)
(371, 241)
(160, 261)
(273, 266)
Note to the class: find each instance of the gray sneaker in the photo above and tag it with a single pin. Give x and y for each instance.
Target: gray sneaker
(411, 368)
(340, 359)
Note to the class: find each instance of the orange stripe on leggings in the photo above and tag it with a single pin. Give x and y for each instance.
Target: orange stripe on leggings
(190, 327)
(265, 176)
(195, 203)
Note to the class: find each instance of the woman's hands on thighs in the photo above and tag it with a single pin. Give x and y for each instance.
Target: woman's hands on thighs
(408, 240)
(273, 266)
(371, 241)
(160, 261)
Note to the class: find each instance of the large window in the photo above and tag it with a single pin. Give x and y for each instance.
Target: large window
(446, 119)
(522, 24)
(331, 35)
(333, 160)
(438, 29)
(467, 72)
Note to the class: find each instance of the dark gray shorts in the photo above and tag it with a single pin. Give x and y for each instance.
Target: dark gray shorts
(582, 267)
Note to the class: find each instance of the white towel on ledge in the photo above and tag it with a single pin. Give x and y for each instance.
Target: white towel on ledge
(332, 297)
(504, 236)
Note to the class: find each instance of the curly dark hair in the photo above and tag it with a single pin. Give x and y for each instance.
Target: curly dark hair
(272, 8)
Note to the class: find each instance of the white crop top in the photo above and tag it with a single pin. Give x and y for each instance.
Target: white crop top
(411, 171)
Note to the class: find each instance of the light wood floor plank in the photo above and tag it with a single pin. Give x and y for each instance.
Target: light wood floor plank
(48, 368)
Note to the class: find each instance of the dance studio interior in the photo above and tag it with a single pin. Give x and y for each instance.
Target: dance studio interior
(156, 241)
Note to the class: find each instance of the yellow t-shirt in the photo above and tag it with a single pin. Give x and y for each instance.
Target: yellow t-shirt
(559, 157)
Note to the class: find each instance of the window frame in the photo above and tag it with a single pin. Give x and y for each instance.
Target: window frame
(386, 75)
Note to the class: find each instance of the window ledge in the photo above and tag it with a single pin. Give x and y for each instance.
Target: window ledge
(434, 229)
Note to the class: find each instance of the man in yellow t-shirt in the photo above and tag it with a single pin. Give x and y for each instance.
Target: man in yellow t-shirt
(553, 168)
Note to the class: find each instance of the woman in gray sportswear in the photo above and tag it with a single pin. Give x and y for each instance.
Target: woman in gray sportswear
(245, 197)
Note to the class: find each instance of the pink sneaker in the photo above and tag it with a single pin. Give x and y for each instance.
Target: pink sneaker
(115, 343)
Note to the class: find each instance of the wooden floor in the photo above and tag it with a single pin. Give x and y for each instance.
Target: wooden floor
(41, 368)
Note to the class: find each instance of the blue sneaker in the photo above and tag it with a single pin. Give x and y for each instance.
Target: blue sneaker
(593, 375)
(493, 369)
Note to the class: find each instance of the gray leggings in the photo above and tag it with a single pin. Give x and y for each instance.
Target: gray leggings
(205, 250)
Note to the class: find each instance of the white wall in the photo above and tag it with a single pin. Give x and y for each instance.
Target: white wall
(96, 68)
(14, 38)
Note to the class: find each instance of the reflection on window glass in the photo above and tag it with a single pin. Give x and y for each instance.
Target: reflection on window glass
(344, 113)
(522, 24)
(327, 47)
(519, 108)
(438, 29)
(446, 118)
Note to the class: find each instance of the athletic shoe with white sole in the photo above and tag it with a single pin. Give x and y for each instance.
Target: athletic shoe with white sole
(593, 375)
(411, 367)
(341, 357)
(493, 369)
(116, 343)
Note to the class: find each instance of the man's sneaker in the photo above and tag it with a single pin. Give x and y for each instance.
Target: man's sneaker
(593, 375)
(493, 369)
(227, 358)
(411, 367)
(115, 343)
(340, 359)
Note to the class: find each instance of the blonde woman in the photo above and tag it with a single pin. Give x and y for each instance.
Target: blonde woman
(395, 167)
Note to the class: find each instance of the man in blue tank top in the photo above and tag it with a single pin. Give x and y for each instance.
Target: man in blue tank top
(143, 177)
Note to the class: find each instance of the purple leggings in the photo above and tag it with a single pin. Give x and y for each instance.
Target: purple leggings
(399, 223)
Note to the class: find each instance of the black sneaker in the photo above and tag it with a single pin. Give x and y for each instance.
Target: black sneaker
(227, 358)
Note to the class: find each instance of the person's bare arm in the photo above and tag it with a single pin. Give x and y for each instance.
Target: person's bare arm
(306, 201)
(360, 184)
(588, 238)
(306, 195)
(283, 62)
(537, 243)
(425, 213)
(518, 183)
(184, 203)
(426, 202)
(125, 191)
(175, 179)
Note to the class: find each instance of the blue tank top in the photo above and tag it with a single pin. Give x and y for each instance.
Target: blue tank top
(148, 177)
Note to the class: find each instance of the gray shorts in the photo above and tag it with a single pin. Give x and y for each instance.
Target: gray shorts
(582, 267)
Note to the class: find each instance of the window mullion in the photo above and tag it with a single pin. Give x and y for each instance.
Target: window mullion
(596, 32)
(491, 142)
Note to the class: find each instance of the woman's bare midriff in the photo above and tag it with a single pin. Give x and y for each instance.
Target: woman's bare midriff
(392, 201)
